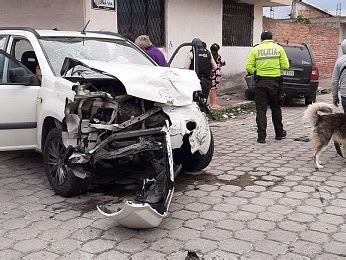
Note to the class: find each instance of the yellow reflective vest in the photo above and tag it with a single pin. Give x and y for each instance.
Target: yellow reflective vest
(267, 59)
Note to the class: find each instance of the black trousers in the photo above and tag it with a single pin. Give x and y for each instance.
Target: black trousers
(267, 92)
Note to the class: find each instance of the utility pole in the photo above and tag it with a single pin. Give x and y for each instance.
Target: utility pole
(338, 9)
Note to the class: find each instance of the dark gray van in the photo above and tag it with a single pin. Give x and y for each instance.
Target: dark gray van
(301, 79)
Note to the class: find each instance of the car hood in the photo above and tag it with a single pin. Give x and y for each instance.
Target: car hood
(159, 84)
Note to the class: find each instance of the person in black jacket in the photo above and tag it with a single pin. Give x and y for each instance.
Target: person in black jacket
(206, 64)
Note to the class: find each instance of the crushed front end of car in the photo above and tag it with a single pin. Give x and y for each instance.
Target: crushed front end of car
(106, 127)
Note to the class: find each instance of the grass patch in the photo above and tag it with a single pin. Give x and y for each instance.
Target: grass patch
(324, 91)
(232, 112)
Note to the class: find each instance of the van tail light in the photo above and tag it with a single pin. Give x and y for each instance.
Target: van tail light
(314, 73)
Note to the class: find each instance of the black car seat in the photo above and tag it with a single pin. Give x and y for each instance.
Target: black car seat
(29, 60)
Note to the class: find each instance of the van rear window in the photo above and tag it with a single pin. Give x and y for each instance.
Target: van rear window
(298, 55)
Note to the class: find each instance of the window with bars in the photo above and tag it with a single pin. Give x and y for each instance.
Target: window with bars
(137, 17)
(237, 24)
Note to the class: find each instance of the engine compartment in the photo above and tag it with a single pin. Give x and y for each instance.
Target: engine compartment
(106, 128)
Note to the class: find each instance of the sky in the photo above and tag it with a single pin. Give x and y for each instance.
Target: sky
(329, 5)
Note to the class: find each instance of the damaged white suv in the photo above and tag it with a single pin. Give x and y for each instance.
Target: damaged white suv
(92, 101)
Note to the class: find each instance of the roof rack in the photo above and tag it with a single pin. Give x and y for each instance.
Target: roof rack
(28, 29)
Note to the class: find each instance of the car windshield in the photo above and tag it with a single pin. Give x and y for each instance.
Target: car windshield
(58, 48)
(298, 55)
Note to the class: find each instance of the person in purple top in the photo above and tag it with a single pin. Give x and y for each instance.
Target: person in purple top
(144, 42)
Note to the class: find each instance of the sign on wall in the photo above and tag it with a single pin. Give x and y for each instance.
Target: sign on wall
(108, 5)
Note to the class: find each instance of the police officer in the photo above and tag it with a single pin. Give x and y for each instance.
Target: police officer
(266, 60)
(205, 64)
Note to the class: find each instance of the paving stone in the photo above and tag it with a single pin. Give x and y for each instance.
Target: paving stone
(326, 256)
(225, 207)
(151, 235)
(30, 245)
(184, 214)
(292, 226)
(242, 216)
(235, 246)
(255, 255)
(280, 209)
(323, 227)
(197, 223)
(314, 236)
(78, 254)
(64, 246)
(197, 207)
(229, 224)
(261, 225)
(216, 234)
(263, 201)
(112, 254)
(87, 234)
(291, 256)
(306, 248)
(340, 236)
(184, 234)
(282, 235)
(236, 201)
(148, 255)
(336, 248)
(97, 246)
(309, 209)
(289, 202)
(132, 245)
(42, 255)
(22, 234)
(300, 217)
(271, 216)
(331, 219)
(253, 208)
(213, 215)
(336, 210)
(171, 223)
(9, 254)
(249, 235)
(201, 245)
(271, 247)
(167, 245)
(219, 254)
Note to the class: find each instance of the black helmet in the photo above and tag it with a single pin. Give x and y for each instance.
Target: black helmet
(197, 42)
(214, 47)
(266, 35)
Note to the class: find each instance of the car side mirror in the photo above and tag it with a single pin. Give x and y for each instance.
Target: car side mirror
(23, 76)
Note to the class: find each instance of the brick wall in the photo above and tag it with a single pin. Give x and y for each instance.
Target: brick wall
(322, 39)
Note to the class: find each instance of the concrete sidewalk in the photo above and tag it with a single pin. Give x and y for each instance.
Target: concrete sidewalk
(237, 96)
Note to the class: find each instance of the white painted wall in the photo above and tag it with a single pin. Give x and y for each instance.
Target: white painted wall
(186, 20)
(192, 19)
(100, 20)
(43, 14)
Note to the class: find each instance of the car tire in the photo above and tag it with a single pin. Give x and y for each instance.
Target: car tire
(249, 95)
(61, 178)
(310, 100)
(196, 162)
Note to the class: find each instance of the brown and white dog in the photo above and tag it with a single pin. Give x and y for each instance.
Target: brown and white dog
(326, 125)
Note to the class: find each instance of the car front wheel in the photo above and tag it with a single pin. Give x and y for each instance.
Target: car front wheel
(196, 162)
(60, 176)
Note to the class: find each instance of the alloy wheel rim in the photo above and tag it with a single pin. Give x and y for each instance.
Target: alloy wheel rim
(57, 168)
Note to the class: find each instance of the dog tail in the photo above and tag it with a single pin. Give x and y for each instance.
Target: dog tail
(311, 113)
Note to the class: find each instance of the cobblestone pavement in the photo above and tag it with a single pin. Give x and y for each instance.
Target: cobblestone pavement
(255, 201)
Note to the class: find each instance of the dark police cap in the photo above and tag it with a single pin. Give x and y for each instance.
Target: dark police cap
(266, 35)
